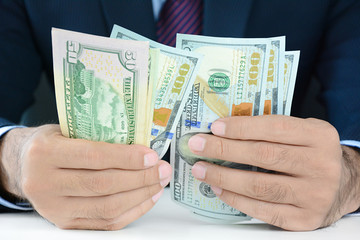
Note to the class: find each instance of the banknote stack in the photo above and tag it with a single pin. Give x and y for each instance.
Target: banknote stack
(131, 90)
(237, 77)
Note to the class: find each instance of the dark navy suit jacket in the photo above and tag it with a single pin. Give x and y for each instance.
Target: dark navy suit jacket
(326, 31)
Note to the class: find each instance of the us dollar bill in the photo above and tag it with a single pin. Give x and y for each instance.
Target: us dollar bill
(236, 70)
(101, 87)
(176, 75)
(231, 82)
(274, 87)
(290, 71)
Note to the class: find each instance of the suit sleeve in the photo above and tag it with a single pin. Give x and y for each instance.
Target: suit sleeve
(20, 68)
(20, 63)
(338, 68)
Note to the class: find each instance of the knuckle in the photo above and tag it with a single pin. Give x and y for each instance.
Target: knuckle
(145, 177)
(279, 220)
(259, 209)
(107, 212)
(232, 200)
(148, 192)
(219, 148)
(322, 198)
(34, 149)
(280, 192)
(63, 226)
(143, 208)
(258, 188)
(274, 192)
(239, 126)
(269, 213)
(325, 129)
(152, 190)
(112, 227)
(30, 188)
(309, 222)
(288, 124)
(117, 226)
(97, 183)
(135, 155)
(271, 155)
(332, 172)
(217, 178)
(330, 132)
(92, 155)
(265, 154)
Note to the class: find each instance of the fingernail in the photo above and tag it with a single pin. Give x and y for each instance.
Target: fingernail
(164, 171)
(216, 190)
(150, 159)
(198, 171)
(218, 128)
(156, 197)
(165, 182)
(197, 143)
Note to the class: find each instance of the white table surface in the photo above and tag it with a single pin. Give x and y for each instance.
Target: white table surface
(167, 220)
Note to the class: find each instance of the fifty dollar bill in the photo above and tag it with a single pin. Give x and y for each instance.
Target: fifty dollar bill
(101, 87)
(176, 75)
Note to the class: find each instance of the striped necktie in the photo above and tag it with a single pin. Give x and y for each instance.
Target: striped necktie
(179, 16)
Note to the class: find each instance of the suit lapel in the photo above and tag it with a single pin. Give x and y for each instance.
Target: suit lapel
(136, 16)
(226, 18)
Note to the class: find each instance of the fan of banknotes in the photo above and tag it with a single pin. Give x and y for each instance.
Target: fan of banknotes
(131, 90)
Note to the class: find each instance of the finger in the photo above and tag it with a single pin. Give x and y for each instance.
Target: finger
(116, 223)
(261, 186)
(112, 206)
(84, 154)
(70, 182)
(272, 128)
(285, 216)
(272, 156)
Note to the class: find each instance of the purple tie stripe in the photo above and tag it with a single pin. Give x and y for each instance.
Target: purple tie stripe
(179, 17)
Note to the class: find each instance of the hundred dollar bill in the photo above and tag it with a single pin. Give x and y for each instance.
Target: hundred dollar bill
(290, 72)
(176, 74)
(234, 74)
(274, 88)
(229, 83)
(101, 87)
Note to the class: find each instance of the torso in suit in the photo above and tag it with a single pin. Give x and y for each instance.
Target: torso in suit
(326, 31)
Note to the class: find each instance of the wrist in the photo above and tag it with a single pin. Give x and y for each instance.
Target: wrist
(351, 160)
(10, 161)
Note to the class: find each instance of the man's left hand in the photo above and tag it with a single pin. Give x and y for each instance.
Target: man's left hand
(314, 180)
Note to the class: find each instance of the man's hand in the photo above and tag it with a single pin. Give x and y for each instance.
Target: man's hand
(317, 180)
(79, 184)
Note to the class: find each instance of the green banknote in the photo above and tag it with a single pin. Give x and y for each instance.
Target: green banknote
(176, 75)
(101, 87)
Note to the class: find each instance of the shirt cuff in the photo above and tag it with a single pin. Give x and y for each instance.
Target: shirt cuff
(350, 143)
(23, 206)
(4, 130)
(3, 202)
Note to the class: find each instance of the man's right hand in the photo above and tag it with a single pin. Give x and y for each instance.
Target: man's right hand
(80, 184)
